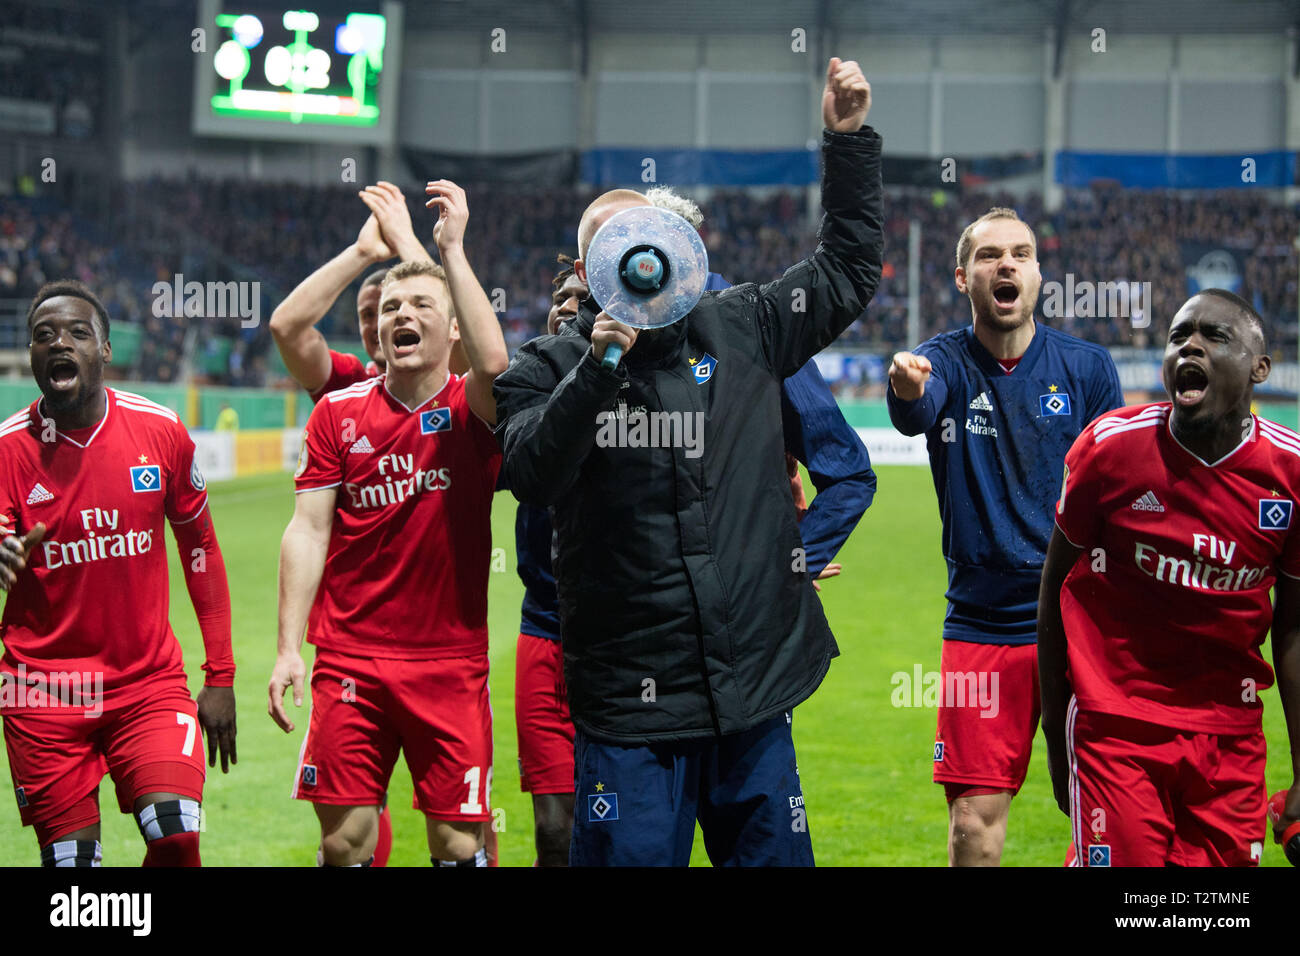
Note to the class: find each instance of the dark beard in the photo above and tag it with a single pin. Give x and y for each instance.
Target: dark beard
(1008, 324)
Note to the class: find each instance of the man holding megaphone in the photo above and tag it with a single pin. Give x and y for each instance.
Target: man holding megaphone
(690, 627)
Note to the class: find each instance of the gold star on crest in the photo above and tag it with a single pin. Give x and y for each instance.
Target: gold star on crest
(693, 361)
(143, 459)
(600, 787)
(1051, 388)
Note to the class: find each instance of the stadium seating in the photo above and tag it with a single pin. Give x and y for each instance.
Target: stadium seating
(279, 232)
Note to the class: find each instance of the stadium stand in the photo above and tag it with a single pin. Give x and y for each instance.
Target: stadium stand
(275, 232)
(278, 231)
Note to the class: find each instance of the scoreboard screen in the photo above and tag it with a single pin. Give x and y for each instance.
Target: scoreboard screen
(320, 74)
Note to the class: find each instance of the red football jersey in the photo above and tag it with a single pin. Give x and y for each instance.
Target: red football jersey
(94, 595)
(345, 370)
(1165, 611)
(407, 570)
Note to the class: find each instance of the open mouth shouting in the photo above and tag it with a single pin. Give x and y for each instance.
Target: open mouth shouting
(63, 374)
(1190, 383)
(1005, 295)
(406, 341)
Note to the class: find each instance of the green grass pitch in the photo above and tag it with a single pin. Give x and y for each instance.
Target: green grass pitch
(865, 765)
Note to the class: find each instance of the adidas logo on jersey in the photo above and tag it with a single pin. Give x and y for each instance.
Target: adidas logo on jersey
(1148, 502)
(362, 446)
(39, 494)
(981, 403)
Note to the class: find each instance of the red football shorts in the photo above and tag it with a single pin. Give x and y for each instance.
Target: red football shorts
(1146, 795)
(988, 713)
(364, 711)
(59, 756)
(542, 719)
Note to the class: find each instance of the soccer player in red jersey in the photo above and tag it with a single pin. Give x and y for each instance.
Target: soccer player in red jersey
(386, 233)
(392, 523)
(1175, 520)
(92, 679)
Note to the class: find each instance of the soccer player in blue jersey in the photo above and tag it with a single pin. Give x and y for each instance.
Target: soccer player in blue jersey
(816, 434)
(1000, 403)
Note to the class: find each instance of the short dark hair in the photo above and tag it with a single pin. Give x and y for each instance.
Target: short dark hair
(1253, 318)
(375, 278)
(69, 287)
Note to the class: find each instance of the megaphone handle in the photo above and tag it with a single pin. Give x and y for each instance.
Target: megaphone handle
(613, 353)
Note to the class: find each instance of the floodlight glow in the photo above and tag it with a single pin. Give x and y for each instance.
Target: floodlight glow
(301, 20)
(373, 28)
(247, 30)
(279, 64)
(315, 69)
(348, 40)
(231, 61)
(313, 103)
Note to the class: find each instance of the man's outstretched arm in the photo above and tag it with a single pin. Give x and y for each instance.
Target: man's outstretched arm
(916, 393)
(480, 332)
(817, 299)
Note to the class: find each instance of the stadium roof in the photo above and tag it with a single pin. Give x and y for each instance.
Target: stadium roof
(923, 17)
(897, 17)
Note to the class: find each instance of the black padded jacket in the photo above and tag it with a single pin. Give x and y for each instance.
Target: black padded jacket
(685, 610)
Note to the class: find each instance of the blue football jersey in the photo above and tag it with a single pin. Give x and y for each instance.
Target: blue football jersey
(997, 444)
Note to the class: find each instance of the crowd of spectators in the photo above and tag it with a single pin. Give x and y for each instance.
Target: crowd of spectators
(40, 241)
(284, 232)
(279, 233)
(1100, 235)
(1109, 234)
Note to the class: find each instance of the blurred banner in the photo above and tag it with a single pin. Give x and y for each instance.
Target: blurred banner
(1273, 169)
(888, 447)
(214, 454)
(25, 116)
(225, 455)
(931, 173)
(527, 169)
(1140, 370)
(700, 167)
(1210, 266)
(717, 167)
